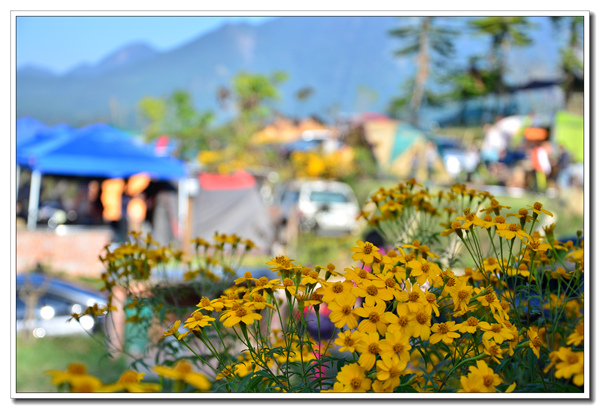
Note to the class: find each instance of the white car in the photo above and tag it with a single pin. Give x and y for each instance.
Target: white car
(326, 207)
(52, 302)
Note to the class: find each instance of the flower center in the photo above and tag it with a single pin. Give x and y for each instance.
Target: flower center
(425, 267)
(403, 321)
(455, 225)
(488, 380)
(496, 328)
(430, 298)
(346, 310)
(355, 383)
(362, 274)
(368, 248)
(491, 297)
(129, 377)
(348, 341)
(499, 219)
(513, 227)
(240, 312)
(462, 295)
(413, 297)
(263, 281)
(451, 282)
(443, 328)
(372, 290)
(183, 367)
(374, 317)
(398, 348)
(288, 282)
(523, 212)
(537, 342)
(572, 359)
(373, 348)
(390, 283)
(537, 206)
(76, 369)
(422, 318)
(394, 372)
(337, 288)
(205, 302)
(472, 321)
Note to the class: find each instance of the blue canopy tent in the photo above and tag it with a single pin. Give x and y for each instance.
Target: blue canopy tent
(97, 150)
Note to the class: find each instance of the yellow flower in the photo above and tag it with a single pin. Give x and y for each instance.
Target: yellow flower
(537, 208)
(373, 291)
(568, 364)
(389, 372)
(493, 350)
(481, 379)
(470, 325)
(444, 331)
(395, 345)
(374, 317)
(342, 311)
(461, 295)
(513, 230)
(576, 338)
(421, 325)
(365, 252)
(183, 372)
(353, 379)
(455, 227)
(369, 347)
(495, 207)
(173, 330)
(334, 290)
(198, 321)
(242, 314)
(86, 384)
(74, 370)
(348, 340)
(535, 341)
(131, 381)
(401, 321)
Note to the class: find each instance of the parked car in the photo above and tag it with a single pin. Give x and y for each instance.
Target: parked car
(53, 301)
(326, 207)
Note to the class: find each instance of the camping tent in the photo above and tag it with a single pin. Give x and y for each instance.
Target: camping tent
(231, 204)
(96, 150)
(399, 149)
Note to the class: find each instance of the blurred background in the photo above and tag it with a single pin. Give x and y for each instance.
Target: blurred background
(273, 128)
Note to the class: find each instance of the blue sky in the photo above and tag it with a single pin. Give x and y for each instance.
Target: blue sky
(60, 43)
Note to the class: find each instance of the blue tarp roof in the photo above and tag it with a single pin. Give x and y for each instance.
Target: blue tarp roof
(28, 128)
(99, 150)
(27, 142)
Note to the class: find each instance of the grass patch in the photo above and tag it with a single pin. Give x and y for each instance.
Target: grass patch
(36, 356)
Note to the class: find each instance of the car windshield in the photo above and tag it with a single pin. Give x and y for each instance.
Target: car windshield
(328, 197)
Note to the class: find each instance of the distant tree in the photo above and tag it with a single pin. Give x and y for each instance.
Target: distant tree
(431, 44)
(253, 97)
(303, 94)
(505, 31)
(177, 117)
(571, 61)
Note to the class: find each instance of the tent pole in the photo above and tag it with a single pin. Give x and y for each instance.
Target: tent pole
(182, 207)
(18, 180)
(34, 197)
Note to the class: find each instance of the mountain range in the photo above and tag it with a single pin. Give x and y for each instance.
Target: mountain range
(348, 61)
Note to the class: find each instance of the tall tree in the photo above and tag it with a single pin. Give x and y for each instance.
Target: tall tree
(176, 116)
(505, 31)
(431, 44)
(571, 61)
